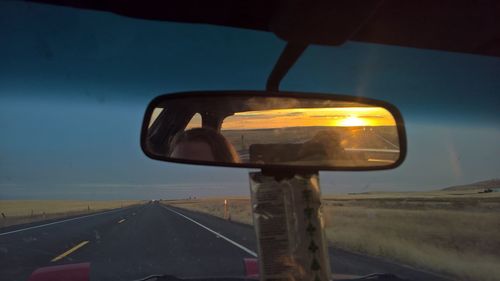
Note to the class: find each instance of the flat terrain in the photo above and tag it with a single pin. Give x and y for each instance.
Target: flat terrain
(449, 232)
(153, 238)
(14, 212)
(418, 236)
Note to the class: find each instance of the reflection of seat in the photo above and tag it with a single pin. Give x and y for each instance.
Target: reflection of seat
(203, 144)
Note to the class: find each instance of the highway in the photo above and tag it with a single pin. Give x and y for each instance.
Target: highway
(130, 243)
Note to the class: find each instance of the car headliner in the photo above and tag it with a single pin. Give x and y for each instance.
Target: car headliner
(448, 25)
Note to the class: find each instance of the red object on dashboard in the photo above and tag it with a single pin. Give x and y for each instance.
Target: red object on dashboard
(251, 268)
(67, 272)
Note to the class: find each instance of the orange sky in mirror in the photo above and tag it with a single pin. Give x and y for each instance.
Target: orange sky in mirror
(310, 117)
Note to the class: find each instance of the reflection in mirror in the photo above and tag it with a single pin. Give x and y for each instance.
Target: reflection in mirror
(195, 122)
(314, 136)
(202, 144)
(286, 131)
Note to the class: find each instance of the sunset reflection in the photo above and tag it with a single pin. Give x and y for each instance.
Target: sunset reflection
(310, 117)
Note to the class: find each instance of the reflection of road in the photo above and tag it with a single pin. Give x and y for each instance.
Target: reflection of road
(363, 143)
(371, 145)
(366, 138)
(387, 141)
(149, 239)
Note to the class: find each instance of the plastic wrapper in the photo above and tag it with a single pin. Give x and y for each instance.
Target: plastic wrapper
(289, 226)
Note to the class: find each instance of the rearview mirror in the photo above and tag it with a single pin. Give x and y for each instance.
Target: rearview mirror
(252, 129)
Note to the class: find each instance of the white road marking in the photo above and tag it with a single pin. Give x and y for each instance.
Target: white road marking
(58, 222)
(387, 141)
(217, 234)
(373, 150)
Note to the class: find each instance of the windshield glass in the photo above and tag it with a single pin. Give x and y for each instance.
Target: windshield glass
(75, 186)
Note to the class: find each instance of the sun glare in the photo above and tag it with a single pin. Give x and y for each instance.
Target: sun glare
(352, 121)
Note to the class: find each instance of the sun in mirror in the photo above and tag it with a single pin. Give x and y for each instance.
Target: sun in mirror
(310, 117)
(355, 135)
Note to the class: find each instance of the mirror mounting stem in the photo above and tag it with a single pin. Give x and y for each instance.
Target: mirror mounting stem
(287, 59)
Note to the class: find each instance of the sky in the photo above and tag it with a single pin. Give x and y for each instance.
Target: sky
(74, 86)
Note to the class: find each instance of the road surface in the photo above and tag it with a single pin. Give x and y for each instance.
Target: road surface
(134, 242)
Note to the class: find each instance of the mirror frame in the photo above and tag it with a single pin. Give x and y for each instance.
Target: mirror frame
(285, 168)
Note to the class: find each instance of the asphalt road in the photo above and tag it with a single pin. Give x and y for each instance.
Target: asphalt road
(130, 243)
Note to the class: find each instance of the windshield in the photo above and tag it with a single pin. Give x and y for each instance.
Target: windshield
(75, 186)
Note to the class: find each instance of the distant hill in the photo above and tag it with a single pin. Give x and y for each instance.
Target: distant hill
(492, 184)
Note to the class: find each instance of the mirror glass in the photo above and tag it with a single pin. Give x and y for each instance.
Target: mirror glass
(251, 130)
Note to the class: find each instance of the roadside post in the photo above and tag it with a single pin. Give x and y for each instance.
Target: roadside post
(225, 209)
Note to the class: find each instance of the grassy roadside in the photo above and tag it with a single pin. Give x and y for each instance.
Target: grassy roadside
(14, 212)
(440, 232)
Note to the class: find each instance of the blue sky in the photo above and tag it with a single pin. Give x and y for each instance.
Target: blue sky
(74, 86)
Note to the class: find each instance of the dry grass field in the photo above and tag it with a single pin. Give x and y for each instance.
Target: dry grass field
(239, 207)
(25, 211)
(453, 233)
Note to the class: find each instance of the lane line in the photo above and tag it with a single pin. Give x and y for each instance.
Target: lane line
(214, 232)
(374, 150)
(122, 220)
(81, 244)
(387, 141)
(58, 222)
